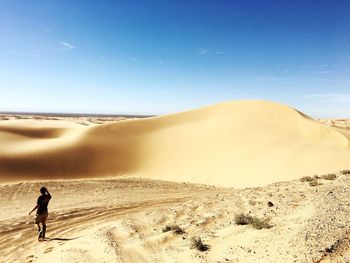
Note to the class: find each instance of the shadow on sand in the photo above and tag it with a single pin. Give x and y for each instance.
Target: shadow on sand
(60, 239)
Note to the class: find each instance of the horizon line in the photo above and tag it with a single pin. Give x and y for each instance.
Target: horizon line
(71, 114)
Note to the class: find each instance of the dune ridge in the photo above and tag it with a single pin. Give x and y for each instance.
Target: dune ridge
(239, 143)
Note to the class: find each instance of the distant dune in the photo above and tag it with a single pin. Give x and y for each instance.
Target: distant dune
(239, 143)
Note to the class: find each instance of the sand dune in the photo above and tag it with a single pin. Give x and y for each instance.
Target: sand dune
(240, 143)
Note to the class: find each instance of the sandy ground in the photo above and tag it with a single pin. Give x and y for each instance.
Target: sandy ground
(117, 184)
(82, 120)
(122, 220)
(227, 144)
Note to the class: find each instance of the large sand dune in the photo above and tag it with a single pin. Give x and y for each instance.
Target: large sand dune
(241, 143)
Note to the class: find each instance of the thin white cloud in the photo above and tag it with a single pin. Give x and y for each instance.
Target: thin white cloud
(272, 78)
(330, 97)
(319, 66)
(331, 80)
(67, 45)
(219, 52)
(203, 51)
(323, 72)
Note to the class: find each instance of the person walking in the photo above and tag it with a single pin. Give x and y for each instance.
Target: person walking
(42, 212)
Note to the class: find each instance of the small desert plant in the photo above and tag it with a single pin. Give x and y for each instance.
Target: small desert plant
(197, 243)
(255, 222)
(178, 230)
(332, 247)
(314, 183)
(242, 219)
(329, 176)
(258, 223)
(345, 172)
(174, 228)
(317, 177)
(167, 228)
(306, 179)
(252, 202)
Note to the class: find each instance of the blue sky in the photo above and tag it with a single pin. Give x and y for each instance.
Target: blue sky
(154, 57)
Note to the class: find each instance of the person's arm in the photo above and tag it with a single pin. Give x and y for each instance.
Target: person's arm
(47, 197)
(34, 209)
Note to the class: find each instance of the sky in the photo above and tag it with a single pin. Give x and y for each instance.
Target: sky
(165, 56)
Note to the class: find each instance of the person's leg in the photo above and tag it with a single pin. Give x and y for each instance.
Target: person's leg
(37, 222)
(44, 225)
(44, 230)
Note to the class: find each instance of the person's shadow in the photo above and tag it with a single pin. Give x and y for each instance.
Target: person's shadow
(60, 238)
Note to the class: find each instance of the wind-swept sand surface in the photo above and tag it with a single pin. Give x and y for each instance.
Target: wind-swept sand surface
(240, 143)
(125, 220)
(110, 205)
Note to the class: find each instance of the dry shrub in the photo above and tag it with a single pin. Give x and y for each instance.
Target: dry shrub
(178, 230)
(174, 228)
(306, 179)
(167, 228)
(329, 177)
(255, 222)
(252, 202)
(197, 243)
(345, 171)
(314, 183)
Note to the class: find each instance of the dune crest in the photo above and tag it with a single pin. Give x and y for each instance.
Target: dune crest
(239, 143)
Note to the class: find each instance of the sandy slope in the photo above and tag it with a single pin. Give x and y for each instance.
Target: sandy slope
(122, 220)
(240, 143)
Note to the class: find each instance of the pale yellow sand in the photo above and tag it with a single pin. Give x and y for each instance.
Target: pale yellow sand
(240, 143)
(122, 220)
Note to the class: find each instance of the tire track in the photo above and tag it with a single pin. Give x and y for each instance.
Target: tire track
(75, 220)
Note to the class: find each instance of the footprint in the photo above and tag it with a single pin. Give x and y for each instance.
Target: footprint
(30, 258)
(48, 250)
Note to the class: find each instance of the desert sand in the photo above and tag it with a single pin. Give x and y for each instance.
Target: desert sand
(123, 220)
(240, 143)
(122, 187)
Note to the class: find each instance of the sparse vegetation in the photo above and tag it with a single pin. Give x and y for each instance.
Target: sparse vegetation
(252, 202)
(317, 177)
(166, 228)
(242, 219)
(174, 228)
(197, 243)
(178, 230)
(255, 222)
(332, 248)
(329, 176)
(306, 179)
(345, 171)
(314, 183)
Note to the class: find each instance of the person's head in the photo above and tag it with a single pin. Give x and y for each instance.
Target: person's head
(43, 190)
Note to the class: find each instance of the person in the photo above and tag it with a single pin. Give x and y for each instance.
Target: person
(42, 212)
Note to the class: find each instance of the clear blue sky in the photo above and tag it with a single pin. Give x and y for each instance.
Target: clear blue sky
(153, 57)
